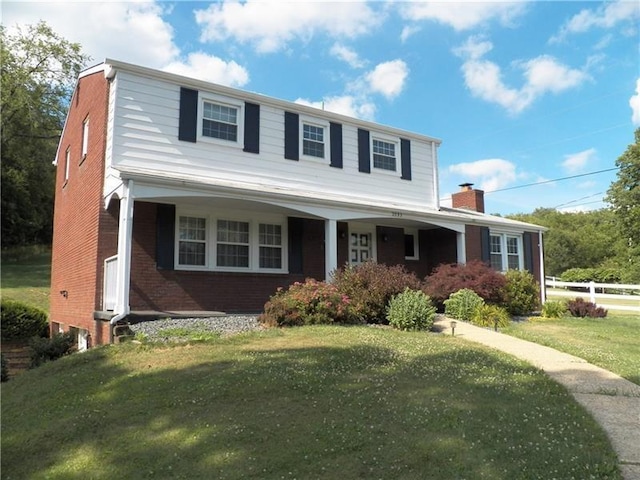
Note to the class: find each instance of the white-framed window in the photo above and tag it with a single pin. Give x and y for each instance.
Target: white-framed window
(85, 138)
(505, 251)
(411, 244)
(220, 120)
(384, 154)
(192, 241)
(314, 138)
(67, 164)
(231, 241)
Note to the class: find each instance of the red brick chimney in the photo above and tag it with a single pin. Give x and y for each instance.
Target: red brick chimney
(468, 198)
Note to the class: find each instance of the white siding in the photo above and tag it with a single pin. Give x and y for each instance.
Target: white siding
(145, 136)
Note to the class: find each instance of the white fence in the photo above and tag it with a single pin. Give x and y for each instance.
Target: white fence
(631, 299)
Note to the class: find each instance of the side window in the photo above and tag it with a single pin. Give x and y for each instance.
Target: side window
(85, 138)
(384, 155)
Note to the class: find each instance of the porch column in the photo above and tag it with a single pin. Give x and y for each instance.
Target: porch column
(461, 247)
(125, 237)
(543, 282)
(330, 247)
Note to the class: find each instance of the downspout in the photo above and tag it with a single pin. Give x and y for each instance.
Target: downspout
(125, 237)
(543, 283)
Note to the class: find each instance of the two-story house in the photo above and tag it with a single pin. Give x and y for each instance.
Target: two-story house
(175, 194)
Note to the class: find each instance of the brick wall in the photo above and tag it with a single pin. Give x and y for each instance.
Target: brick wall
(78, 210)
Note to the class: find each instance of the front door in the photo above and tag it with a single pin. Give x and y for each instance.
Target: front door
(360, 245)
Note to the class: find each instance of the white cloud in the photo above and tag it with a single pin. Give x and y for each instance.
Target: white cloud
(407, 32)
(347, 55)
(607, 15)
(543, 74)
(388, 78)
(576, 162)
(134, 32)
(464, 15)
(345, 105)
(492, 173)
(634, 103)
(211, 69)
(270, 26)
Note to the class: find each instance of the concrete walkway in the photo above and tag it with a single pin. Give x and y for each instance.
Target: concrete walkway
(613, 401)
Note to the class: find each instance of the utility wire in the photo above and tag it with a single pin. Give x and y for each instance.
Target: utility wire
(579, 199)
(554, 180)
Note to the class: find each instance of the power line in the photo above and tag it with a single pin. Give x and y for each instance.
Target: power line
(551, 181)
(579, 199)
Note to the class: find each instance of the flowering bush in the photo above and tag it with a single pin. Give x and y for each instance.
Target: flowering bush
(311, 302)
(370, 286)
(411, 310)
(581, 308)
(462, 304)
(475, 275)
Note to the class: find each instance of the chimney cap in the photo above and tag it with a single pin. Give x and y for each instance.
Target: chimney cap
(466, 186)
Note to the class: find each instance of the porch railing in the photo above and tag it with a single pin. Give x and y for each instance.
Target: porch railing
(110, 283)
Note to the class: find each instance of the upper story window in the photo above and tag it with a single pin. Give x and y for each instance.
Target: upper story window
(85, 138)
(67, 163)
(313, 143)
(384, 155)
(506, 252)
(220, 121)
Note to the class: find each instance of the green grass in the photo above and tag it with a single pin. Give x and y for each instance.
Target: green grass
(612, 343)
(309, 402)
(26, 275)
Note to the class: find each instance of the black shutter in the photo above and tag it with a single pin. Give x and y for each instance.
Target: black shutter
(188, 121)
(165, 234)
(296, 226)
(336, 145)
(485, 244)
(405, 156)
(291, 133)
(527, 243)
(251, 127)
(364, 152)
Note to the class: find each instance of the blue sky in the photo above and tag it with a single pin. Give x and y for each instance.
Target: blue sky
(519, 92)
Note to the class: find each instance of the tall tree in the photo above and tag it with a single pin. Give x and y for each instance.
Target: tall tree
(624, 197)
(39, 69)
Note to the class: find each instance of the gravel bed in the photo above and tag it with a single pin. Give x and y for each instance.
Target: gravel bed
(225, 325)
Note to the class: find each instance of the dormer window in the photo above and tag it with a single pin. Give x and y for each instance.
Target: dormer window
(220, 121)
(384, 155)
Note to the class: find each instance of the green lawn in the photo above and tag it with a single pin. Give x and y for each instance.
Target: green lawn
(309, 402)
(26, 276)
(612, 343)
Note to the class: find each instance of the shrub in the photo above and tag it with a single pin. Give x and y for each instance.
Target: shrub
(581, 308)
(554, 309)
(307, 303)
(370, 286)
(4, 368)
(585, 275)
(462, 304)
(522, 292)
(491, 316)
(49, 349)
(475, 275)
(411, 310)
(20, 320)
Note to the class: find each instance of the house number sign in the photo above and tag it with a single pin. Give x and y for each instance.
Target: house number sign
(396, 214)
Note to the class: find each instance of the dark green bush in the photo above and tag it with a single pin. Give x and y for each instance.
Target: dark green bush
(411, 310)
(491, 316)
(554, 309)
(311, 302)
(581, 308)
(4, 368)
(370, 286)
(19, 320)
(522, 292)
(48, 349)
(462, 304)
(475, 275)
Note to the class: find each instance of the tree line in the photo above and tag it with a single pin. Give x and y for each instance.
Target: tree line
(39, 71)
